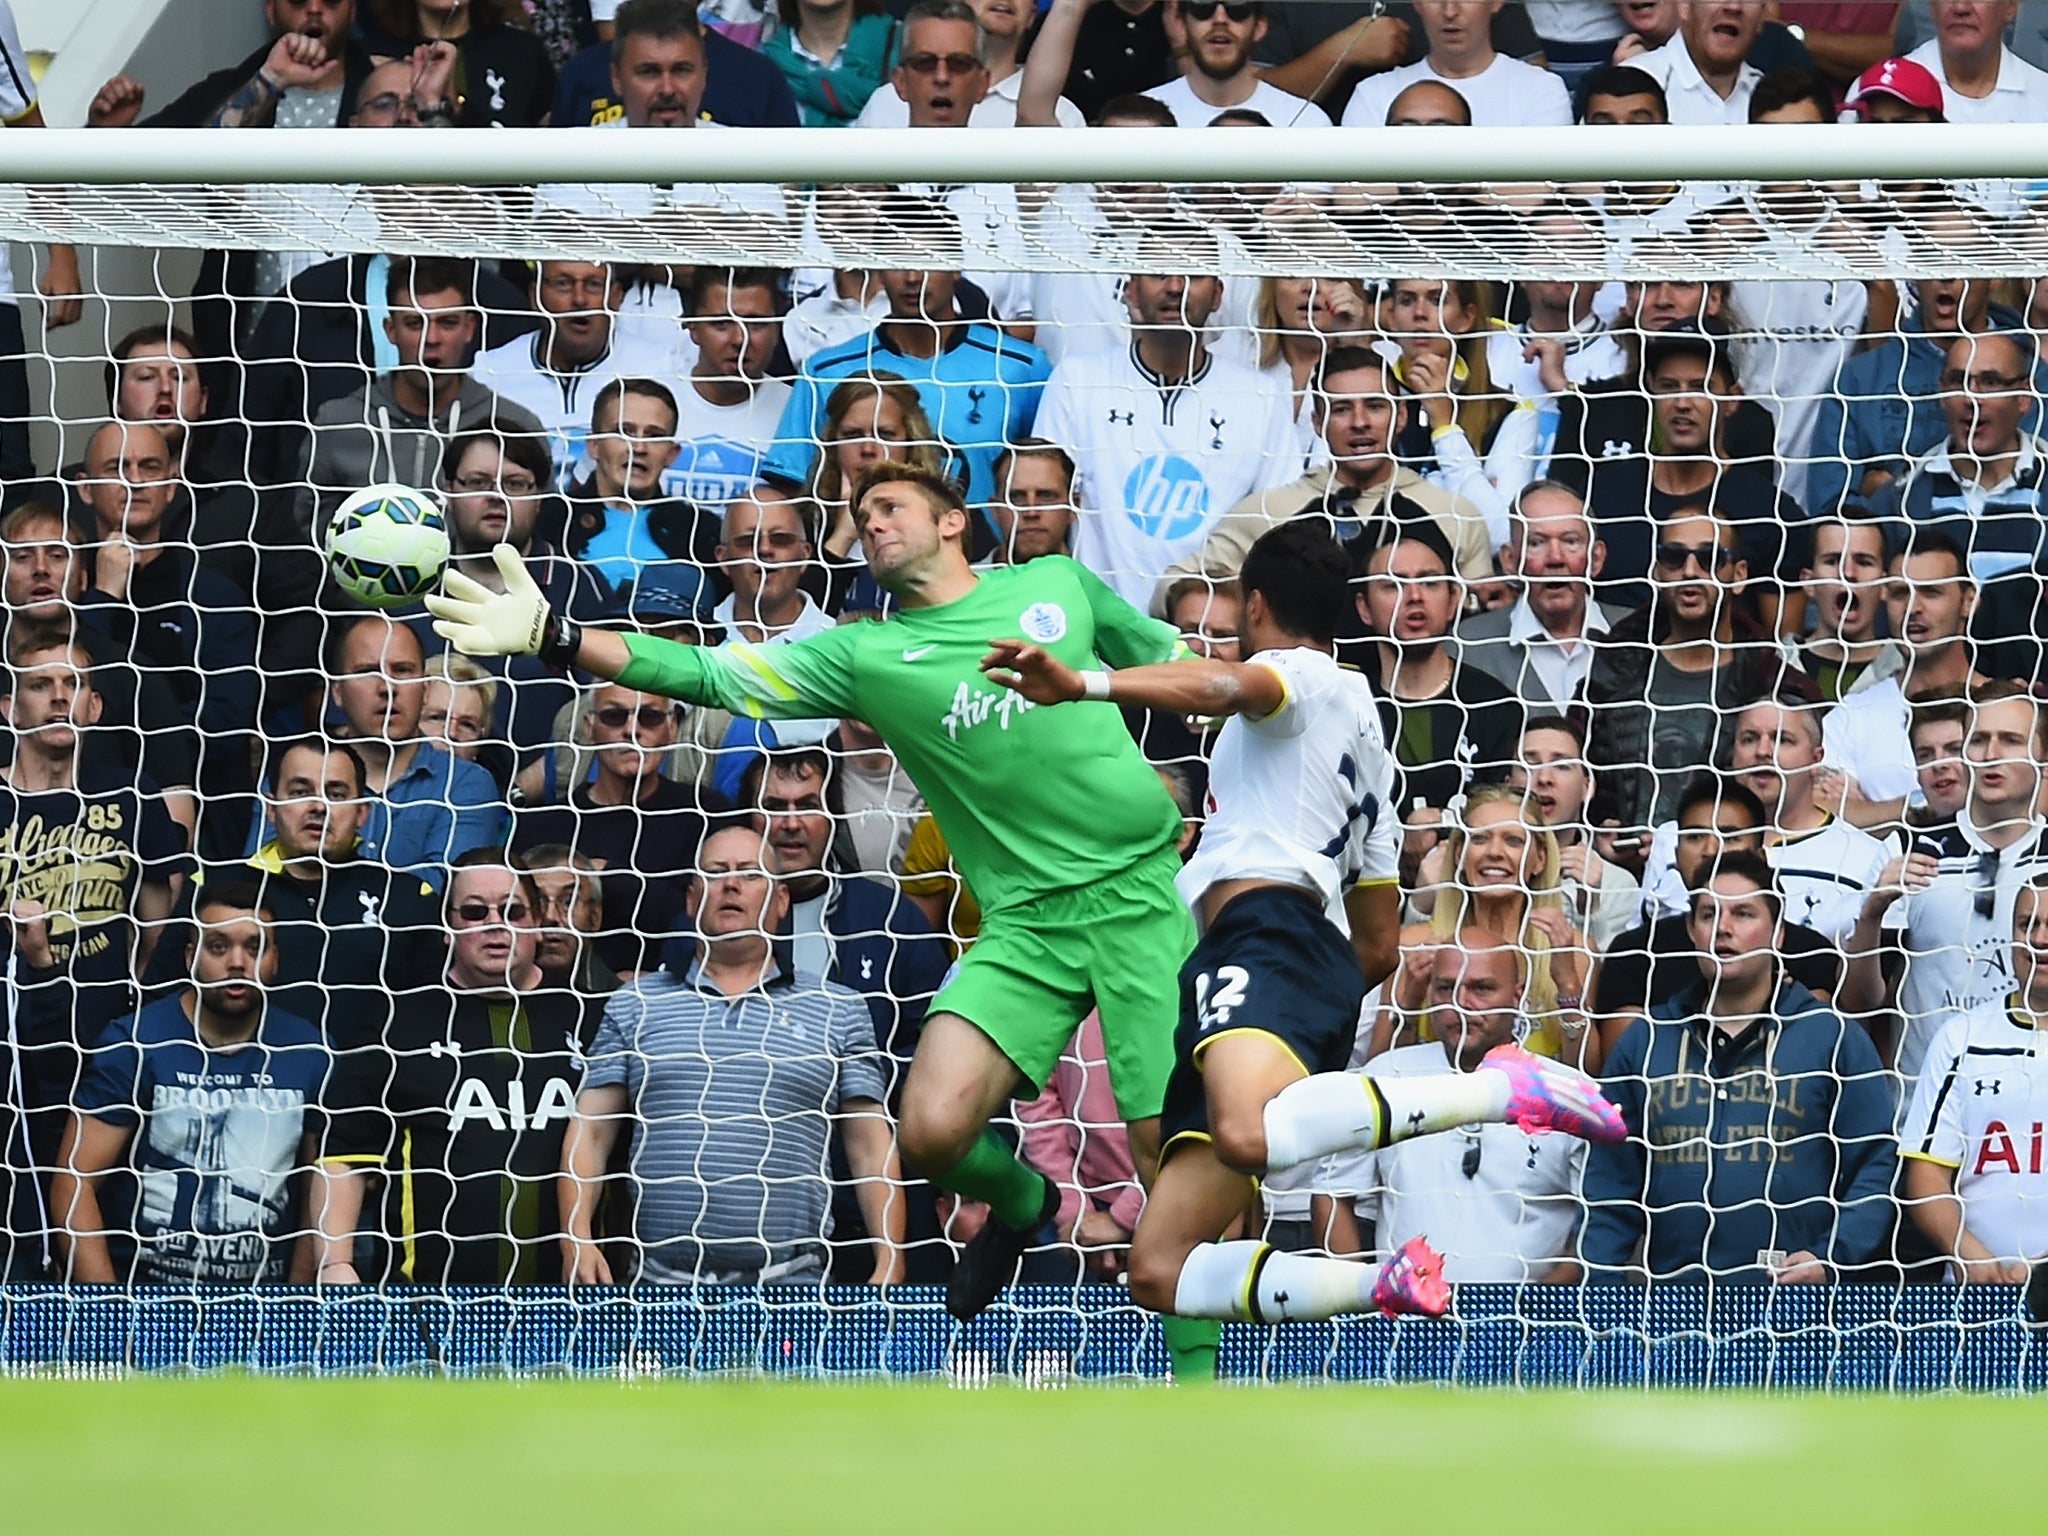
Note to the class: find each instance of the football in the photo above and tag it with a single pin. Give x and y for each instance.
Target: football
(387, 544)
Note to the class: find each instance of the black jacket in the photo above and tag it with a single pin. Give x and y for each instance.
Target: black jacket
(192, 109)
(684, 530)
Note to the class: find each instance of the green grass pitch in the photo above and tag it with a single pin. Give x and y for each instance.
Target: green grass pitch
(235, 1454)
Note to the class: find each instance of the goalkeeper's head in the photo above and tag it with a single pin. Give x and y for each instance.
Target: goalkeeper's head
(912, 525)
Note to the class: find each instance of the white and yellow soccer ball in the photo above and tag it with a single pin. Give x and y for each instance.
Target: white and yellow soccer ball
(387, 544)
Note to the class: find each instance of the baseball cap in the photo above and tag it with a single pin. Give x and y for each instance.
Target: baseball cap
(1689, 340)
(667, 592)
(1901, 79)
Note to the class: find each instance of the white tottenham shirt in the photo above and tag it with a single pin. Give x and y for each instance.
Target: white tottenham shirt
(17, 100)
(1981, 1108)
(1160, 463)
(1303, 796)
(1269, 101)
(1826, 873)
(721, 448)
(1505, 94)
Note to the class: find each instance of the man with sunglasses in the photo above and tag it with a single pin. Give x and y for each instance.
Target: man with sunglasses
(1986, 487)
(1500, 1203)
(1215, 41)
(457, 1116)
(1667, 685)
(1945, 907)
(642, 826)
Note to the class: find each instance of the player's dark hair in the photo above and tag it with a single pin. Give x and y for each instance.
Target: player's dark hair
(1240, 117)
(1937, 708)
(1135, 110)
(326, 747)
(412, 276)
(1304, 576)
(1564, 725)
(1923, 540)
(658, 19)
(231, 896)
(1744, 865)
(1713, 791)
(1787, 87)
(1350, 360)
(705, 279)
(1619, 80)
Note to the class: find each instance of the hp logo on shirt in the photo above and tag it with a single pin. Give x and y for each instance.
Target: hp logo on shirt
(1167, 497)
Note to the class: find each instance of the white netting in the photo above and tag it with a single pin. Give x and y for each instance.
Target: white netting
(1843, 371)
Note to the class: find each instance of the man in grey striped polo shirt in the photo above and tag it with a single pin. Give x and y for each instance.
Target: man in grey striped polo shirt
(732, 1072)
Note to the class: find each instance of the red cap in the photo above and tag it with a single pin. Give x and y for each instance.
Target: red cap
(1901, 79)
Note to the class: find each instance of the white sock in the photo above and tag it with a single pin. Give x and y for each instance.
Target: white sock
(1217, 1282)
(1338, 1111)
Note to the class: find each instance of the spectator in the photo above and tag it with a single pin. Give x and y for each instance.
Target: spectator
(1365, 490)
(1215, 43)
(459, 705)
(1939, 732)
(1663, 694)
(569, 892)
(214, 1096)
(1503, 92)
(153, 376)
(641, 826)
(306, 76)
(1982, 80)
(1552, 775)
(1450, 724)
(1499, 872)
(834, 54)
(556, 373)
(142, 728)
(1794, 1079)
(1947, 905)
(426, 808)
(460, 1117)
(1563, 327)
(496, 489)
(355, 940)
(1826, 866)
(163, 612)
(1500, 1204)
(1970, 1188)
(1033, 510)
(395, 427)
(868, 419)
(1622, 95)
(89, 865)
(1095, 54)
(1702, 69)
(1688, 457)
(1004, 26)
(734, 1072)
(622, 517)
(1884, 410)
(764, 549)
(1154, 478)
(511, 79)
(979, 387)
(1542, 645)
(1984, 489)
(1930, 601)
(1296, 323)
(1074, 1136)
(941, 73)
(882, 807)
(1208, 613)
(741, 90)
(1654, 961)
(1856, 671)
(730, 409)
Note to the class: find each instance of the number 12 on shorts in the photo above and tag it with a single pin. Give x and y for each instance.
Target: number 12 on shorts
(1228, 984)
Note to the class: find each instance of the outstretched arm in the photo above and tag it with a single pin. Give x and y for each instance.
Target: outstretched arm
(1197, 686)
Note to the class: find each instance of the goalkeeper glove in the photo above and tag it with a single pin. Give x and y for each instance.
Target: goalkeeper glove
(480, 622)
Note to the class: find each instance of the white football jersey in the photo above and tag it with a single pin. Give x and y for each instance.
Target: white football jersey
(1161, 463)
(723, 446)
(1826, 873)
(1981, 1108)
(1304, 795)
(562, 401)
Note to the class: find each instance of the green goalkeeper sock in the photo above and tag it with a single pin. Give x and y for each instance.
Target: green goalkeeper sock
(991, 1173)
(1191, 1346)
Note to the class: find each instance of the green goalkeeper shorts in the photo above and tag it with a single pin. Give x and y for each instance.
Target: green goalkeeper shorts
(1116, 946)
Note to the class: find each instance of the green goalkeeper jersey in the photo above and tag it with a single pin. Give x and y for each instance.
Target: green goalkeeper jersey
(1031, 800)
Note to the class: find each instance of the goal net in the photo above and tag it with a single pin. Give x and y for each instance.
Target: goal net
(1692, 497)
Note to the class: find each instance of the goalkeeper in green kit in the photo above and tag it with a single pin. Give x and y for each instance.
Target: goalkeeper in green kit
(1058, 825)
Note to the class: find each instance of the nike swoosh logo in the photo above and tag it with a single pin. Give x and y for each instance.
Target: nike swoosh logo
(918, 653)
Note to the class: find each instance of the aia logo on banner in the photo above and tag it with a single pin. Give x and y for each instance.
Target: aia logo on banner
(1997, 1149)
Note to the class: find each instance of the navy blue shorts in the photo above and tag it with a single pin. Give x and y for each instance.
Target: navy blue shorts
(1272, 963)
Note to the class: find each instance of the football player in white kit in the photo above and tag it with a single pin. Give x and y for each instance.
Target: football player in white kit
(1299, 847)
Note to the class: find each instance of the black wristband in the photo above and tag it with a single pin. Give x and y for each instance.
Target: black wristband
(564, 638)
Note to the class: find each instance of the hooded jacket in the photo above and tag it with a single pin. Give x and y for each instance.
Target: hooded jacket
(1779, 1139)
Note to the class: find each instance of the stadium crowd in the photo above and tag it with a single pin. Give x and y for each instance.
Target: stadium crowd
(1707, 621)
